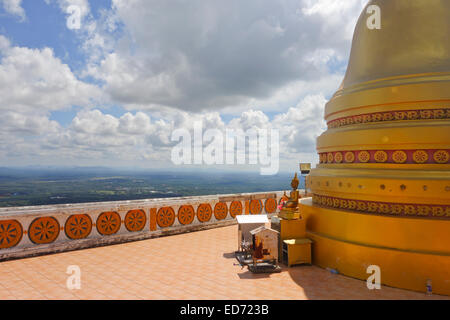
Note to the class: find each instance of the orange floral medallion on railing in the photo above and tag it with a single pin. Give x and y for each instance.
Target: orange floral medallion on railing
(10, 233)
(270, 205)
(186, 214)
(44, 230)
(165, 217)
(204, 212)
(108, 223)
(220, 210)
(78, 226)
(235, 208)
(255, 207)
(135, 220)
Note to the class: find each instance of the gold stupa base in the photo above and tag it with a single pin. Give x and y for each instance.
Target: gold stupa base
(409, 251)
(288, 214)
(381, 190)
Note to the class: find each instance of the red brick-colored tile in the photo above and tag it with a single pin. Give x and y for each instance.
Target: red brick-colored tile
(196, 265)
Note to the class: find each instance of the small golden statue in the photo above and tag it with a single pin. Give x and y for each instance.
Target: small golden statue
(290, 209)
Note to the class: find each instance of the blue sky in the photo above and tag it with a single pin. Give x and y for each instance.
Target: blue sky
(45, 26)
(114, 90)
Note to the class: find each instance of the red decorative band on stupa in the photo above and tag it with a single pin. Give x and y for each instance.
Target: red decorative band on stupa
(422, 156)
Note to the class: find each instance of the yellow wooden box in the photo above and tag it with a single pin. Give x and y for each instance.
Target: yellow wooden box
(292, 229)
(296, 251)
(289, 229)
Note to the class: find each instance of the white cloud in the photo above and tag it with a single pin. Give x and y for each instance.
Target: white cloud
(171, 63)
(93, 34)
(339, 17)
(14, 123)
(34, 80)
(135, 124)
(65, 4)
(14, 7)
(136, 139)
(251, 119)
(94, 122)
(4, 43)
(236, 54)
(301, 125)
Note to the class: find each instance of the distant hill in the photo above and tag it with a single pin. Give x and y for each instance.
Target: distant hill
(41, 186)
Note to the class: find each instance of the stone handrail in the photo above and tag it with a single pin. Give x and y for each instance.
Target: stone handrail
(31, 231)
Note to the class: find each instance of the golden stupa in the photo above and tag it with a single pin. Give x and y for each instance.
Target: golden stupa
(381, 193)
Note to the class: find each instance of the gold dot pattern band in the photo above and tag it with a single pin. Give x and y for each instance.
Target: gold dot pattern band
(403, 115)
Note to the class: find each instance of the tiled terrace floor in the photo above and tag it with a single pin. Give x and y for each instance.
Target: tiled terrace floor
(197, 265)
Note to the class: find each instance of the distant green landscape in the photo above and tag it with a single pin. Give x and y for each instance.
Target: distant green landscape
(30, 187)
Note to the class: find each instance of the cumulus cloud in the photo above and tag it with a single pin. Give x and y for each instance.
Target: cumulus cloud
(94, 34)
(34, 80)
(197, 55)
(170, 64)
(14, 123)
(136, 138)
(14, 7)
(302, 124)
(251, 119)
(4, 43)
(65, 4)
(33, 83)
